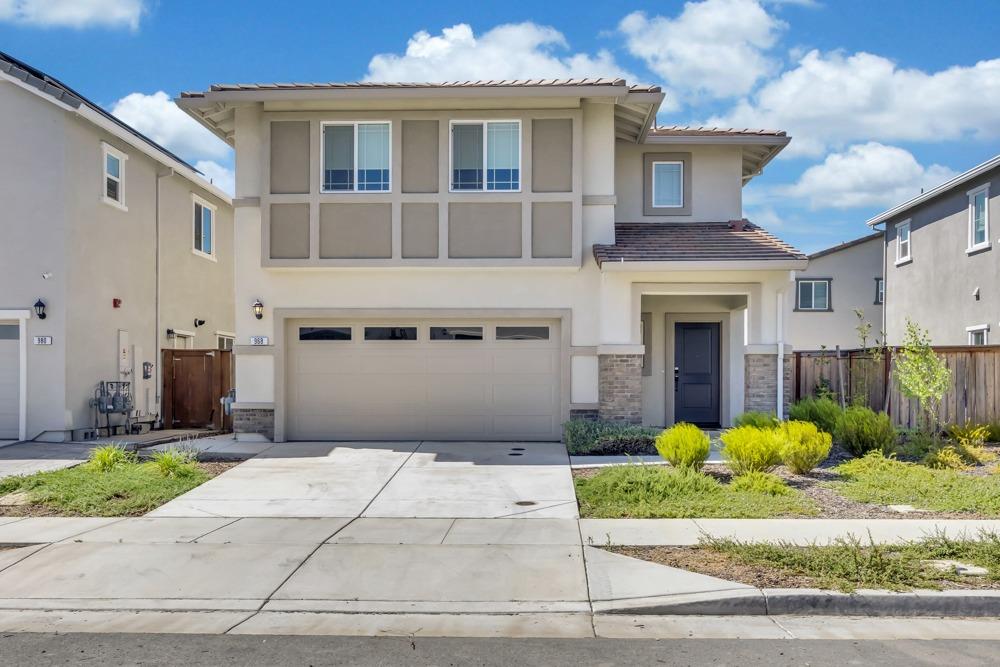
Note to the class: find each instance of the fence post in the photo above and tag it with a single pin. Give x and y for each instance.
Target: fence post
(840, 379)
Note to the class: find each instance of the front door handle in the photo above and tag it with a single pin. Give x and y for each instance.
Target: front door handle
(677, 377)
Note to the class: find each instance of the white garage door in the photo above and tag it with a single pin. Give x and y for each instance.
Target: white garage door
(435, 380)
(9, 381)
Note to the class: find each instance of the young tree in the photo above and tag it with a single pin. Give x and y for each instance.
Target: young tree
(922, 373)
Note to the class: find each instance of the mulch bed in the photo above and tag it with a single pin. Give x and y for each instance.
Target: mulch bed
(712, 563)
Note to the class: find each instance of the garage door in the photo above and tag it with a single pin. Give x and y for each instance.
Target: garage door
(9, 381)
(430, 379)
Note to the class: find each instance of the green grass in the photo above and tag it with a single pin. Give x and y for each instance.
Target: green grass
(127, 489)
(645, 491)
(849, 564)
(886, 481)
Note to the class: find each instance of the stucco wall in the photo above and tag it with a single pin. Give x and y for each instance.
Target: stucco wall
(852, 272)
(936, 289)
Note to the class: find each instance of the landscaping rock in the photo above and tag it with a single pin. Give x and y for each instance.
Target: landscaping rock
(957, 567)
(905, 509)
(15, 499)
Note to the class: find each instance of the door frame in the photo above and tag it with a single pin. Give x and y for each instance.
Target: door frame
(21, 317)
(672, 319)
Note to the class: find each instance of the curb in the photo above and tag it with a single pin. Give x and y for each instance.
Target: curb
(811, 601)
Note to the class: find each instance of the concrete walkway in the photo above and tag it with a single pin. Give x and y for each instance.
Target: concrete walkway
(27, 458)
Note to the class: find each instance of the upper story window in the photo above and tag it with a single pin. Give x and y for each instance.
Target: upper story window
(979, 334)
(203, 227)
(979, 218)
(903, 242)
(668, 184)
(814, 295)
(879, 291)
(486, 156)
(356, 157)
(113, 168)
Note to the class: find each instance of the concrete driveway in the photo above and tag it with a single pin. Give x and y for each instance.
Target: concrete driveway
(392, 480)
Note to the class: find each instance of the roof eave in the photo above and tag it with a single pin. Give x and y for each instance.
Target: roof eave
(609, 266)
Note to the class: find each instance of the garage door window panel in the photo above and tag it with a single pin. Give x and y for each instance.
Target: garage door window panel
(516, 333)
(324, 333)
(456, 333)
(390, 333)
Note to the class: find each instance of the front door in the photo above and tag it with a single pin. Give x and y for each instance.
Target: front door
(696, 373)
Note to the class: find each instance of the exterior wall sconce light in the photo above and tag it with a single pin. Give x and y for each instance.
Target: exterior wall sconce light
(198, 323)
(258, 309)
(40, 309)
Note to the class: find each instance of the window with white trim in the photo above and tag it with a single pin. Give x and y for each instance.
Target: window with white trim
(203, 219)
(814, 295)
(979, 218)
(879, 291)
(356, 157)
(113, 168)
(225, 342)
(979, 334)
(903, 242)
(668, 184)
(486, 156)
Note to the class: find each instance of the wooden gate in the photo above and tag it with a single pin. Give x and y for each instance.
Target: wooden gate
(193, 383)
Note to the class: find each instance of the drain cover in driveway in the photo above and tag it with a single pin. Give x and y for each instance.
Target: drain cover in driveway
(525, 503)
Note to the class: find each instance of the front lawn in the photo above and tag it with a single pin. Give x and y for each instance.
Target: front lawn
(126, 488)
(660, 492)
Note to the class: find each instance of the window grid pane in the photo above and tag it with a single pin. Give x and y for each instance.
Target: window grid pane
(207, 230)
(821, 295)
(373, 156)
(113, 190)
(503, 153)
(198, 227)
(467, 157)
(805, 296)
(113, 166)
(667, 184)
(979, 218)
(338, 157)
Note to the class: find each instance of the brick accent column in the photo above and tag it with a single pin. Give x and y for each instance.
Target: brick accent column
(620, 387)
(254, 420)
(761, 383)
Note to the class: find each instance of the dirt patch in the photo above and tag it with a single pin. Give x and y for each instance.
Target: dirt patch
(707, 561)
(216, 468)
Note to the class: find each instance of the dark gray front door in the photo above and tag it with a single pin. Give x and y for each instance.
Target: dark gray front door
(696, 376)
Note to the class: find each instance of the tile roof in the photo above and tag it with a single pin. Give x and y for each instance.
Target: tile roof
(693, 241)
(845, 245)
(495, 83)
(689, 130)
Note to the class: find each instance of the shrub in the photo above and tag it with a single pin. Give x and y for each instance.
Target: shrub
(862, 430)
(748, 449)
(968, 441)
(587, 436)
(109, 457)
(175, 462)
(684, 446)
(823, 412)
(758, 419)
(994, 429)
(916, 445)
(761, 482)
(944, 458)
(804, 446)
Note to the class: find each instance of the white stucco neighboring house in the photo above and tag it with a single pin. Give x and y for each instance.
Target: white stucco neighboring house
(486, 260)
(111, 247)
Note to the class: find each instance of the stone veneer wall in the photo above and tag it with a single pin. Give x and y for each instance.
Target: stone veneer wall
(620, 387)
(254, 420)
(761, 383)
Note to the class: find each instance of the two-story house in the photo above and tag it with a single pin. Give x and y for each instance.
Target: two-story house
(485, 260)
(111, 249)
(839, 282)
(942, 271)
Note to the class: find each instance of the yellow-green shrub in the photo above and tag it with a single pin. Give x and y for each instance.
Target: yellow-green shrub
(749, 449)
(804, 446)
(968, 441)
(944, 458)
(684, 446)
(760, 482)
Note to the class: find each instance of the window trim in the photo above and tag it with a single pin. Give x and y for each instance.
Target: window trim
(486, 151)
(322, 157)
(652, 174)
(106, 150)
(976, 328)
(879, 291)
(972, 194)
(227, 335)
(195, 200)
(829, 295)
(900, 258)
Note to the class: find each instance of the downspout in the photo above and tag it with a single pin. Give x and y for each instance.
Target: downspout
(885, 283)
(780, 356)
(158, 359)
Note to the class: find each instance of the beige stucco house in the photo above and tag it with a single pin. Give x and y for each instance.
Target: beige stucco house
(942, 270)
(120, 244)
(485, 260)
(839, 282)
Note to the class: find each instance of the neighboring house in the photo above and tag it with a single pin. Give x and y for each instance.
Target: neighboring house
(123, 244)
(838, 282)
(942, 270)
(485, 260)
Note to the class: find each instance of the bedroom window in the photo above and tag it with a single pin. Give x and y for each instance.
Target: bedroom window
(903, 242)
(113, 167)
(979, 218)
(879, 291)
(979, 334)
(814, 295)
(356, 157)
(668, 184)
(486, 156)
(203, 228)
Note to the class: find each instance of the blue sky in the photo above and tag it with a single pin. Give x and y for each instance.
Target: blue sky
(881, 98)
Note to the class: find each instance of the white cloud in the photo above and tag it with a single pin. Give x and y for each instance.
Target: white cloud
(74, 13)
(510, 51)
(221, 176)
(161, 120)
(831, 99)
(714, 48)
(870, 174)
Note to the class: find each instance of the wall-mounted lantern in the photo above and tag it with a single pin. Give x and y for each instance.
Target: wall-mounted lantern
(198, 323)
(40, 309)
(258, 309)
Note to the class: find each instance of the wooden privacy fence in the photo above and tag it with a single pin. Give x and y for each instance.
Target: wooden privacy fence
(857, 375)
